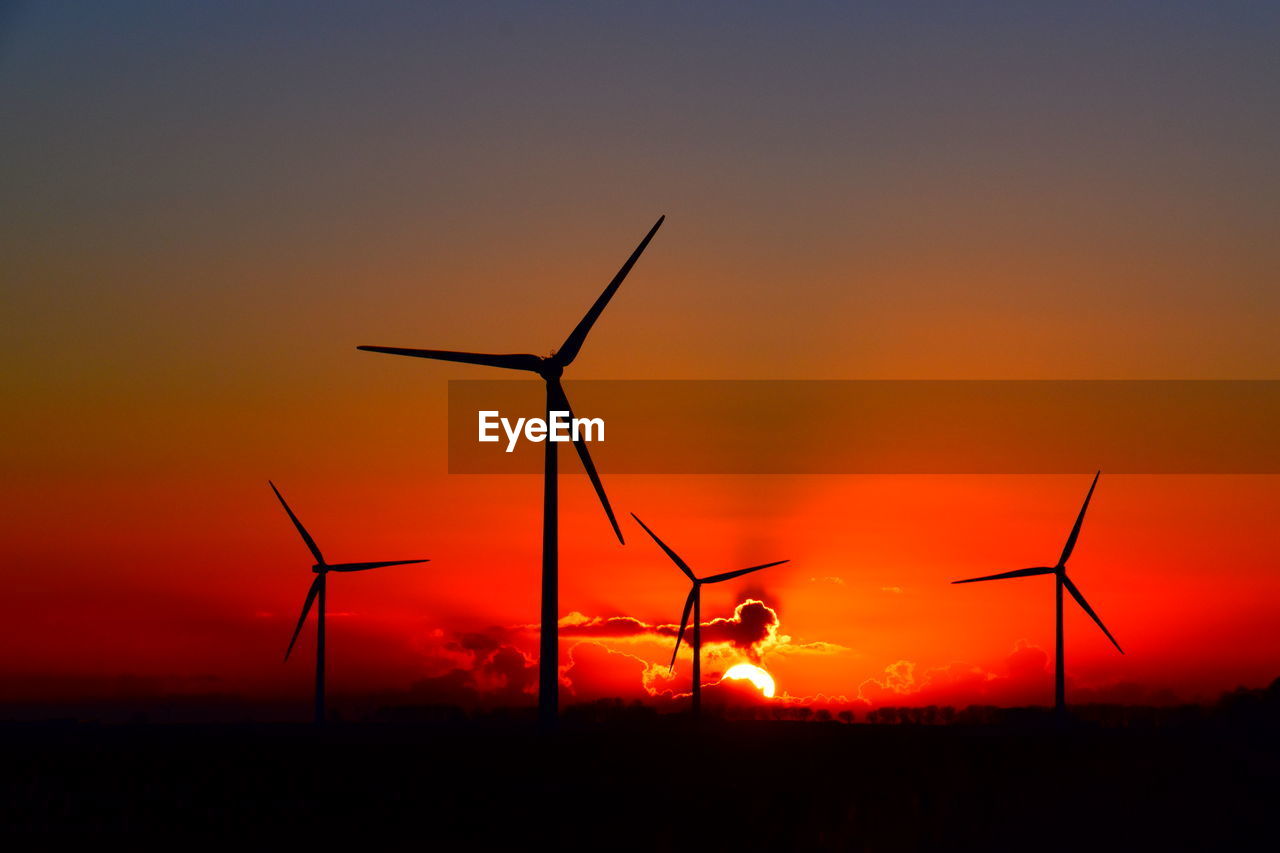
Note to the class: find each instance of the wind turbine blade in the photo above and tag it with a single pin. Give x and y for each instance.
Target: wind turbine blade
(684, 567)
(1075, 531)
(306, 608)
(360, 567)
(684, 621)
(724, 576)
(1079, 597)
(1016, 573)
(306, 537)
(561, 402)
(511, 362)
(569, 349)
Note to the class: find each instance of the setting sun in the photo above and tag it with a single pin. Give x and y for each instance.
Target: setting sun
(754, 674)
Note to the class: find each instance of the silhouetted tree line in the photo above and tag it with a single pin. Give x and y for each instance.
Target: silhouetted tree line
(1242, 706)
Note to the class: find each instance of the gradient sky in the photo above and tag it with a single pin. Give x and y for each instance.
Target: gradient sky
(207, 208)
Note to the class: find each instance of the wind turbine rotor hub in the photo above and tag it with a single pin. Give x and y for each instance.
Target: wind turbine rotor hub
(551, 368)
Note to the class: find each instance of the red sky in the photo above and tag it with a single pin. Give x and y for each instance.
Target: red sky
(195, 242)
(199, 588)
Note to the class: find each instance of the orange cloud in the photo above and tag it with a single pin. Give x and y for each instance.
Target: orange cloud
(490, 667)
(1026, 681)
(597, 672)
(752, 630)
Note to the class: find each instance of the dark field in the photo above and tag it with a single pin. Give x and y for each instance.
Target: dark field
(654, 783)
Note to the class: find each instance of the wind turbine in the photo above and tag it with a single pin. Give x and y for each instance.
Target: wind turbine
(694, 602)
(1061, 580)
(317, 590)
(550, 368)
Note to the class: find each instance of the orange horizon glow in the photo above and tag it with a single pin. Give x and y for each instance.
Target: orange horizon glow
(867, 613)
(196, 242)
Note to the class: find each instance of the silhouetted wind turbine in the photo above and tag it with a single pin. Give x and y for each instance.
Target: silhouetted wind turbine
(694, 602)
(1061, 580)
(550, 368)
(317, 590)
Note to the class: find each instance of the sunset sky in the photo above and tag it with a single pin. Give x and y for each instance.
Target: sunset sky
(207, 209)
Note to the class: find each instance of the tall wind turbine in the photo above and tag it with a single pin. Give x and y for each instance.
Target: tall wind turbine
(694, 602)
(550, 368)
(317, 591)
(1060, 580)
